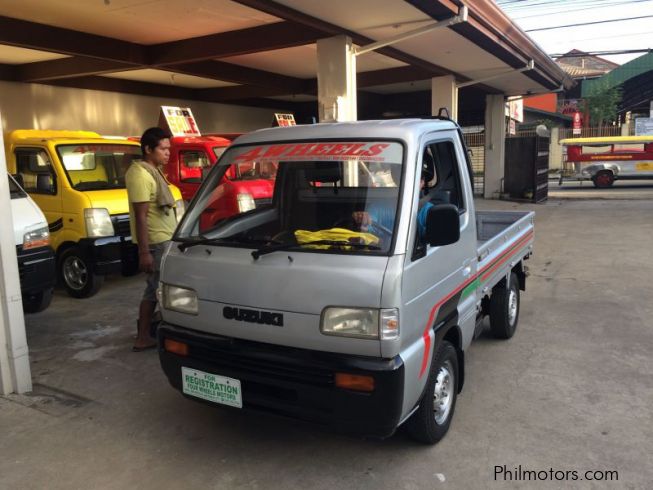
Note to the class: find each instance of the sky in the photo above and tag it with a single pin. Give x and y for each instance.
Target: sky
(621, 35)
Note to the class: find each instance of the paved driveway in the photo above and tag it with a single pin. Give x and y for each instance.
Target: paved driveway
(572, 391)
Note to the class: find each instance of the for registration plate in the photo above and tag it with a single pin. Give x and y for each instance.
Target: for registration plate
(211, 387)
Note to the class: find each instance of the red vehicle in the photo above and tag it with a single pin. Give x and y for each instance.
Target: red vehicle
(189, 156)
(242, 188)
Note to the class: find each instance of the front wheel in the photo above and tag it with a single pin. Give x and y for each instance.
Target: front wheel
(504, 309)
(603, 179)
(431, 421)
(37, 302)
(77, 276)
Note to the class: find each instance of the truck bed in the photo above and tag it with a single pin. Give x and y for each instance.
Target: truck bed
(502, 235)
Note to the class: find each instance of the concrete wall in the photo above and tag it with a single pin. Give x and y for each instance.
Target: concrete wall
(36, 106)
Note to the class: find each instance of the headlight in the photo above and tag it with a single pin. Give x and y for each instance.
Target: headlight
(36, 238)
(179, 299)
(98, 222)
(180, 209)
(245, 202)
(365, 323)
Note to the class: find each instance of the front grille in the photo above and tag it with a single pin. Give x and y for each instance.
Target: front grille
(264, 366)
(121, 224)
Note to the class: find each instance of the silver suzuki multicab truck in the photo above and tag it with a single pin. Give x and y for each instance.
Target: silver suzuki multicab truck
(350, 297)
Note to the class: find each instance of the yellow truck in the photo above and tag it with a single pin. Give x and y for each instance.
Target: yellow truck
(78, 180)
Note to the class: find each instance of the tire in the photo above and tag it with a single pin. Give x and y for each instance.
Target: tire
(428, 424)
(504, 309)
(37, 302)
(75, 272)
(603, 179)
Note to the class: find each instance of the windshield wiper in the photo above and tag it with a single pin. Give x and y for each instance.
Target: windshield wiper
(202, 240)
(287, 246)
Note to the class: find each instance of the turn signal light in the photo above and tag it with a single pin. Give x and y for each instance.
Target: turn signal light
(354, 382)
(175, 347)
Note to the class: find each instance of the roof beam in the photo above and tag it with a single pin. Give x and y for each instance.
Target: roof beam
(24, 34)
(75, 66)
(8, 72)
(233, 43)
(224, 94)
(228, 72)
(127, 87)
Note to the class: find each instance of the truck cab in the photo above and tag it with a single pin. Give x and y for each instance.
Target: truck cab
(243, 188)
(351, 297)
(36, 263)
(77, 179)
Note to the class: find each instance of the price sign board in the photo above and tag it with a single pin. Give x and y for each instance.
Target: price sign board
(284, 119)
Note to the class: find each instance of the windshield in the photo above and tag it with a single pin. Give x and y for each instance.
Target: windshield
(94, 167)
(299, 194)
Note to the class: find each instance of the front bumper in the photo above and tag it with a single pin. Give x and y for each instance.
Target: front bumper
(110, 254)
(36, 268)
(293, 382)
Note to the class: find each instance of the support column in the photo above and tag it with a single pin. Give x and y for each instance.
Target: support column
(15, 373)
(495, 144)
(444, 93)
(336, 79)
(555, 150)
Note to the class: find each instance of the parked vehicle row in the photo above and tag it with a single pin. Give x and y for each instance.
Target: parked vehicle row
(76, 178)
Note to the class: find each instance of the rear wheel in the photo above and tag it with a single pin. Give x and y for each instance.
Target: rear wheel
(37, 302)
(504, 309)
(431, 421)
(77, 276)
(603, 179)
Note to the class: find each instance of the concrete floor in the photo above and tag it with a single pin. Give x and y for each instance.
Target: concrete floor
(573, 390)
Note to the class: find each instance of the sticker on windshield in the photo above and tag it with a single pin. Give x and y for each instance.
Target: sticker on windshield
(332, 151)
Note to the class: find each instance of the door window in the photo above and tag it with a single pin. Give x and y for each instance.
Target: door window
(440, 184)
(35, 168)
(191, 165)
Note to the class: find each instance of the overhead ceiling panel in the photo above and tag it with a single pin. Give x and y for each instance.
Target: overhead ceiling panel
(168, 78)
(301, 61)
(139, 21)
(16, 56)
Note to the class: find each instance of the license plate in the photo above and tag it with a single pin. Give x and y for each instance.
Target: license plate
(211, 387)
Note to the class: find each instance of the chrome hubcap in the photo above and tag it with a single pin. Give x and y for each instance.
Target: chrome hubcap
(75, 272)
(443, 393)
(512, 307)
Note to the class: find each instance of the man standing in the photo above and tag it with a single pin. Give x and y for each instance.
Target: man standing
(152, 221)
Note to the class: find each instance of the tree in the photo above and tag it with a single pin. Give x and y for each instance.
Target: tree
(603, 103)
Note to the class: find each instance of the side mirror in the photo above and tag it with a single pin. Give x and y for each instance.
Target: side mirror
(442, 225)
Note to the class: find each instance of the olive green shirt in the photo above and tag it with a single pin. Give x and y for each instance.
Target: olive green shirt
(141, 188)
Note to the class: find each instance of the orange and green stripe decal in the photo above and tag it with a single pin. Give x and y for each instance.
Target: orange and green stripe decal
(467, 288)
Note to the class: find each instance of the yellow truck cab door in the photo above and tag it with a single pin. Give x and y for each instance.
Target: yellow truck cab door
(39, 178)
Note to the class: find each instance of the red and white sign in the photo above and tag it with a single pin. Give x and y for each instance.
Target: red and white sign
(577, 123)
(515, 109)
(179, 121)
(284, 119)
(331, 151)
